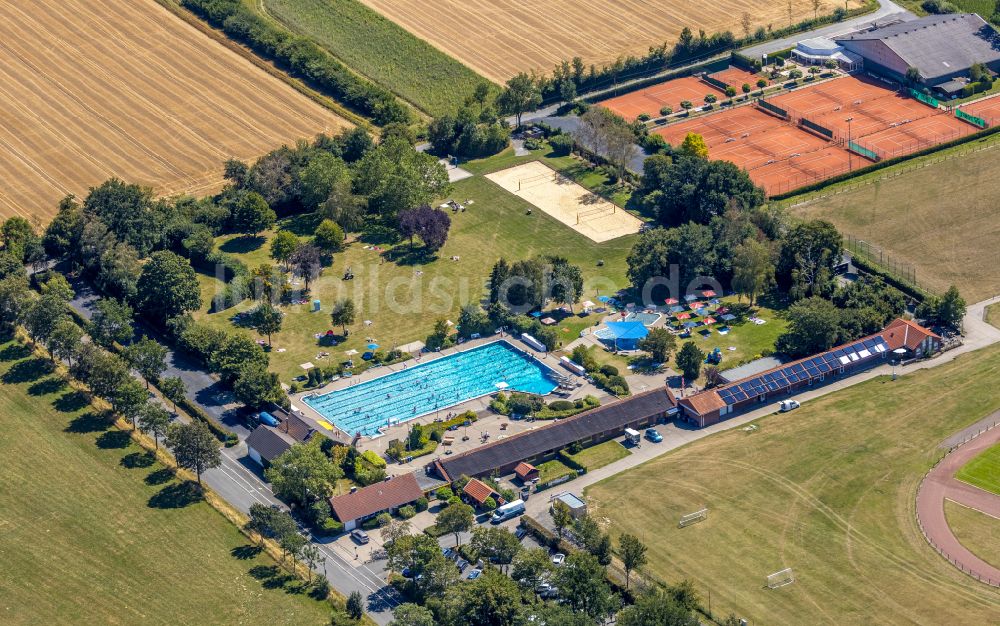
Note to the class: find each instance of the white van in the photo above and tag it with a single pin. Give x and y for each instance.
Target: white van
(507, 511)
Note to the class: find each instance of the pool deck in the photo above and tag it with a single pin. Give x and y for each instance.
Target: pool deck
(488, 423)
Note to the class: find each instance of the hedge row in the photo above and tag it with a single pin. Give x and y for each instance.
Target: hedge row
(300, 57)
(909, 289)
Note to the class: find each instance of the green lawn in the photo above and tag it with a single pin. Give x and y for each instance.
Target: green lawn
(978, 532)
(983, 471)
(551, 470)
(827, 490)
(993, 315)
(379, 49)
(600, 455)
(403, 299)
(918, 219)
(93, 531)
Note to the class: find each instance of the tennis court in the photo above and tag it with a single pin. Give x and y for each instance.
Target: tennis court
(870, 105)
(651, 99)
(737, 77)
(988, 110)
(806, 168)
(916, 135)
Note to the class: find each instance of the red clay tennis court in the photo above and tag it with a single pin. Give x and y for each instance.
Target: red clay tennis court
(988, 110)
(651, 99)
(806, 168)
(923, 133)
(736, 77)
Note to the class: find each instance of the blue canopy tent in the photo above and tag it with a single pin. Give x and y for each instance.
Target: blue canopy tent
(626, 335)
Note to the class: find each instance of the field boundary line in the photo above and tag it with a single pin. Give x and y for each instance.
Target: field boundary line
(325, 101)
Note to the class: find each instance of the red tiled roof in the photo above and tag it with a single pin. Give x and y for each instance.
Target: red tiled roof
(905, 334)
(523, 469)
(703, 402)
(478, 490)
(376, 498)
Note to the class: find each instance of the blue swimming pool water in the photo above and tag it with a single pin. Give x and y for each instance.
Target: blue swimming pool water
(432, 386)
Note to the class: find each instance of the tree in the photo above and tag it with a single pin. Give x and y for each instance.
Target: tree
(129, 398)
(395, 177)
(688, 188)
(235, 352)
(329, 237)
(490, 600)
(249, 212)
(282, 245)
(266, 320)
(657, 606)
(562, 517)
(753, 269)
(173, 389)
(168, 286)
(809, 253)
(602, 549)
(199, 242)
(343, 313)
(495, 543)
(62, 235)
(746, 88)
(633, 554)
(19, 238)
(581, 581)
(355, 606)
(313, 557)
(42, 316)
(303, 472)
(103, 372)
(609, 135)
(148, 357)
(430, 224)
(659, 343)
(689, 361)
(531, 568)
(913, 76)
(65, 340)
(306, 261)
(255, 386)
(194, 447)
(694, 146)
(111, 322)
(687, 251)
(409, 614)
(155, 420)
(711, 98)
(567, 90)
(813, 326)
(129, 213)
(456, 519)
(951, 308)
(292, 543)
(320, 177)
(519, 96)
(565, 281)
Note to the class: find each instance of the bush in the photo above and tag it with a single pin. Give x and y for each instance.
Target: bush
(406, 512)
(562, 405)
(666, 110)
(609, 370)
(644, 117)
(444, 494)
(332, 526)
(489, 504)
(421, 504)
(562, 144)
(532, 144)
(373, 458)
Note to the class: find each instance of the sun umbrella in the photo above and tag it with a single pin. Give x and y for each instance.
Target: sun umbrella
(690, 324)
(709, 320)
(708, 293)
(696, 305)
(603, 298)
(690, 297)
(536, 314)
(671, 301)
(373, 346)
(683, 316)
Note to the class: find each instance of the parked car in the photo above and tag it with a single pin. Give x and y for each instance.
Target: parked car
(546, 591)
(449, 553)
(787, 405)
(474, 574)
(360, 536)
(520, 532)
(558, 558)
(653, 436)
(461, 564)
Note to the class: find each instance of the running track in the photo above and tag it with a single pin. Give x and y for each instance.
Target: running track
(940, 484)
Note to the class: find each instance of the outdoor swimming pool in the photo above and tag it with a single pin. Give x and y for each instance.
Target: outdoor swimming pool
(418, 390)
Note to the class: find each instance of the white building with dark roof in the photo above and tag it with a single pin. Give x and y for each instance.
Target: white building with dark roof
(940, 47)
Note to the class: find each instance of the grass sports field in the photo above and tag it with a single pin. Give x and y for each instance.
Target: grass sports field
(600, 455)
(129, 91)
(92, 532)
(379, 49)
(499, 39)
(405, 296)
(983, 471)
(978, 532)
(941, 219)
(827, 490)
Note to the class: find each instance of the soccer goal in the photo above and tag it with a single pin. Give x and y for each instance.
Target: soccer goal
(589, 214)
(780, 579)
(692, 518)
(531, 181)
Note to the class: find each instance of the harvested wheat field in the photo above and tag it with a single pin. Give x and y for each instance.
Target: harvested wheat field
(499, 38)
(585, 212)
(91, 89)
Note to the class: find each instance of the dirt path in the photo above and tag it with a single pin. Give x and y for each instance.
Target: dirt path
(939, 485)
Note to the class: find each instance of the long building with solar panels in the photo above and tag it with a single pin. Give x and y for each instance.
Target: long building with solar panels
(713, 405)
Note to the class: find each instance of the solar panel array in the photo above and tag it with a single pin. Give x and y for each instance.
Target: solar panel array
(805, 370)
